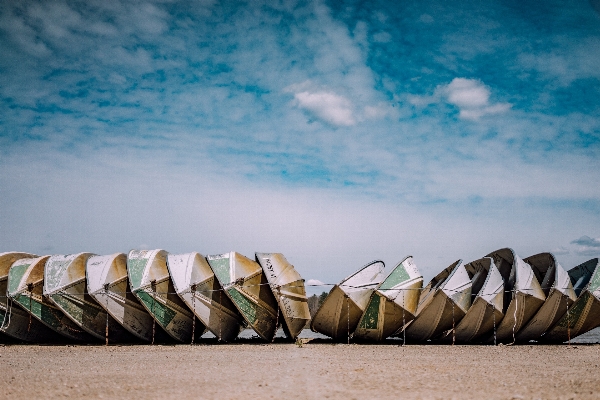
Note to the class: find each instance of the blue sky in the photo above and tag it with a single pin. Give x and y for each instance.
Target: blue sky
(334, 132)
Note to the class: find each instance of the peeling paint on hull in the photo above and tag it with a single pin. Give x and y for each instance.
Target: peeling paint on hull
(346, 302)
(583, 315)
(65, 286)
(195, 283)
(443, 302)
(288, 288)
(25, 288)
(560, 296)
(246, 285)
(108, 284)
(150, 282)
(486, 311)
(524, 296)
(393, 304)
(15, 322)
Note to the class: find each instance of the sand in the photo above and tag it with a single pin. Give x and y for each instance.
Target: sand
(315, 370)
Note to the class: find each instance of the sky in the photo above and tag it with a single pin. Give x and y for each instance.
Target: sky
(334, 132)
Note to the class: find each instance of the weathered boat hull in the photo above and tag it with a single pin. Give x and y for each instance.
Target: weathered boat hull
(583, 315)
(560, 295)
(195, 283)
(524, 294)
(150, 282)
(346, 302)
(65, 286)
(246, 285)
(25, 288)
(108, 284)
(443, 303)
(486, 312)
(393, 304)
(15, 322)
(582, 274)
(288, 288)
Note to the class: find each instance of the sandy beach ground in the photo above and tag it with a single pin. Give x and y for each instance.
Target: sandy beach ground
(318, 369)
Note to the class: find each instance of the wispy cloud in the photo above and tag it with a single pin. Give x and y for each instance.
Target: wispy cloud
(470, 96)
(587, 241)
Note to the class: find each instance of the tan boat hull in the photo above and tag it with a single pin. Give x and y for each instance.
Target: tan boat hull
(288, 288)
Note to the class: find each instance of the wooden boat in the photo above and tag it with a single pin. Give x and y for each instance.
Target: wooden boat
(442, 304)
(195, 283)
(288, 288)
(346, 302)
(15, 322)
(523, 294)
(151, 283)
(108, 284)
(65, 286)
(393, 304)
(486, 310)
(584, 314)
(246, 285)
(560, 295)
(25, 288)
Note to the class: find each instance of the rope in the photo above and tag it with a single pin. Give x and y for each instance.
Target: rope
(7, 312)
(494, 314)
(220, 316)
(453, 331)
(568, 325)
(348, 316)
(193, 287)
(403, 327)
(277, 317)
(30, 289)
(153, 285)
(106, 329)
(515, 315)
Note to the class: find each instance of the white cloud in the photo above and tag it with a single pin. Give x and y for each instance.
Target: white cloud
(333, 108)
(328, 106)
(314, 282)
(472, 97)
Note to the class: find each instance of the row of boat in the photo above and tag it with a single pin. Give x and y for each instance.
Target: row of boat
(498, 298)
(155, 296)
(148, 296)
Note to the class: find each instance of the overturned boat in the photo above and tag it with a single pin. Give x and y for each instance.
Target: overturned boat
(14, 321)
(25, 288)
(486, 310)
(393, 304)
(523, 294)
(108, 284)
(559, 292)
(65, 286)
(346, 302)
(442, 304)
(584, 314)
(288, 288)
(195, 283)
(581, 275)
(150, 282)
(246, 285)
